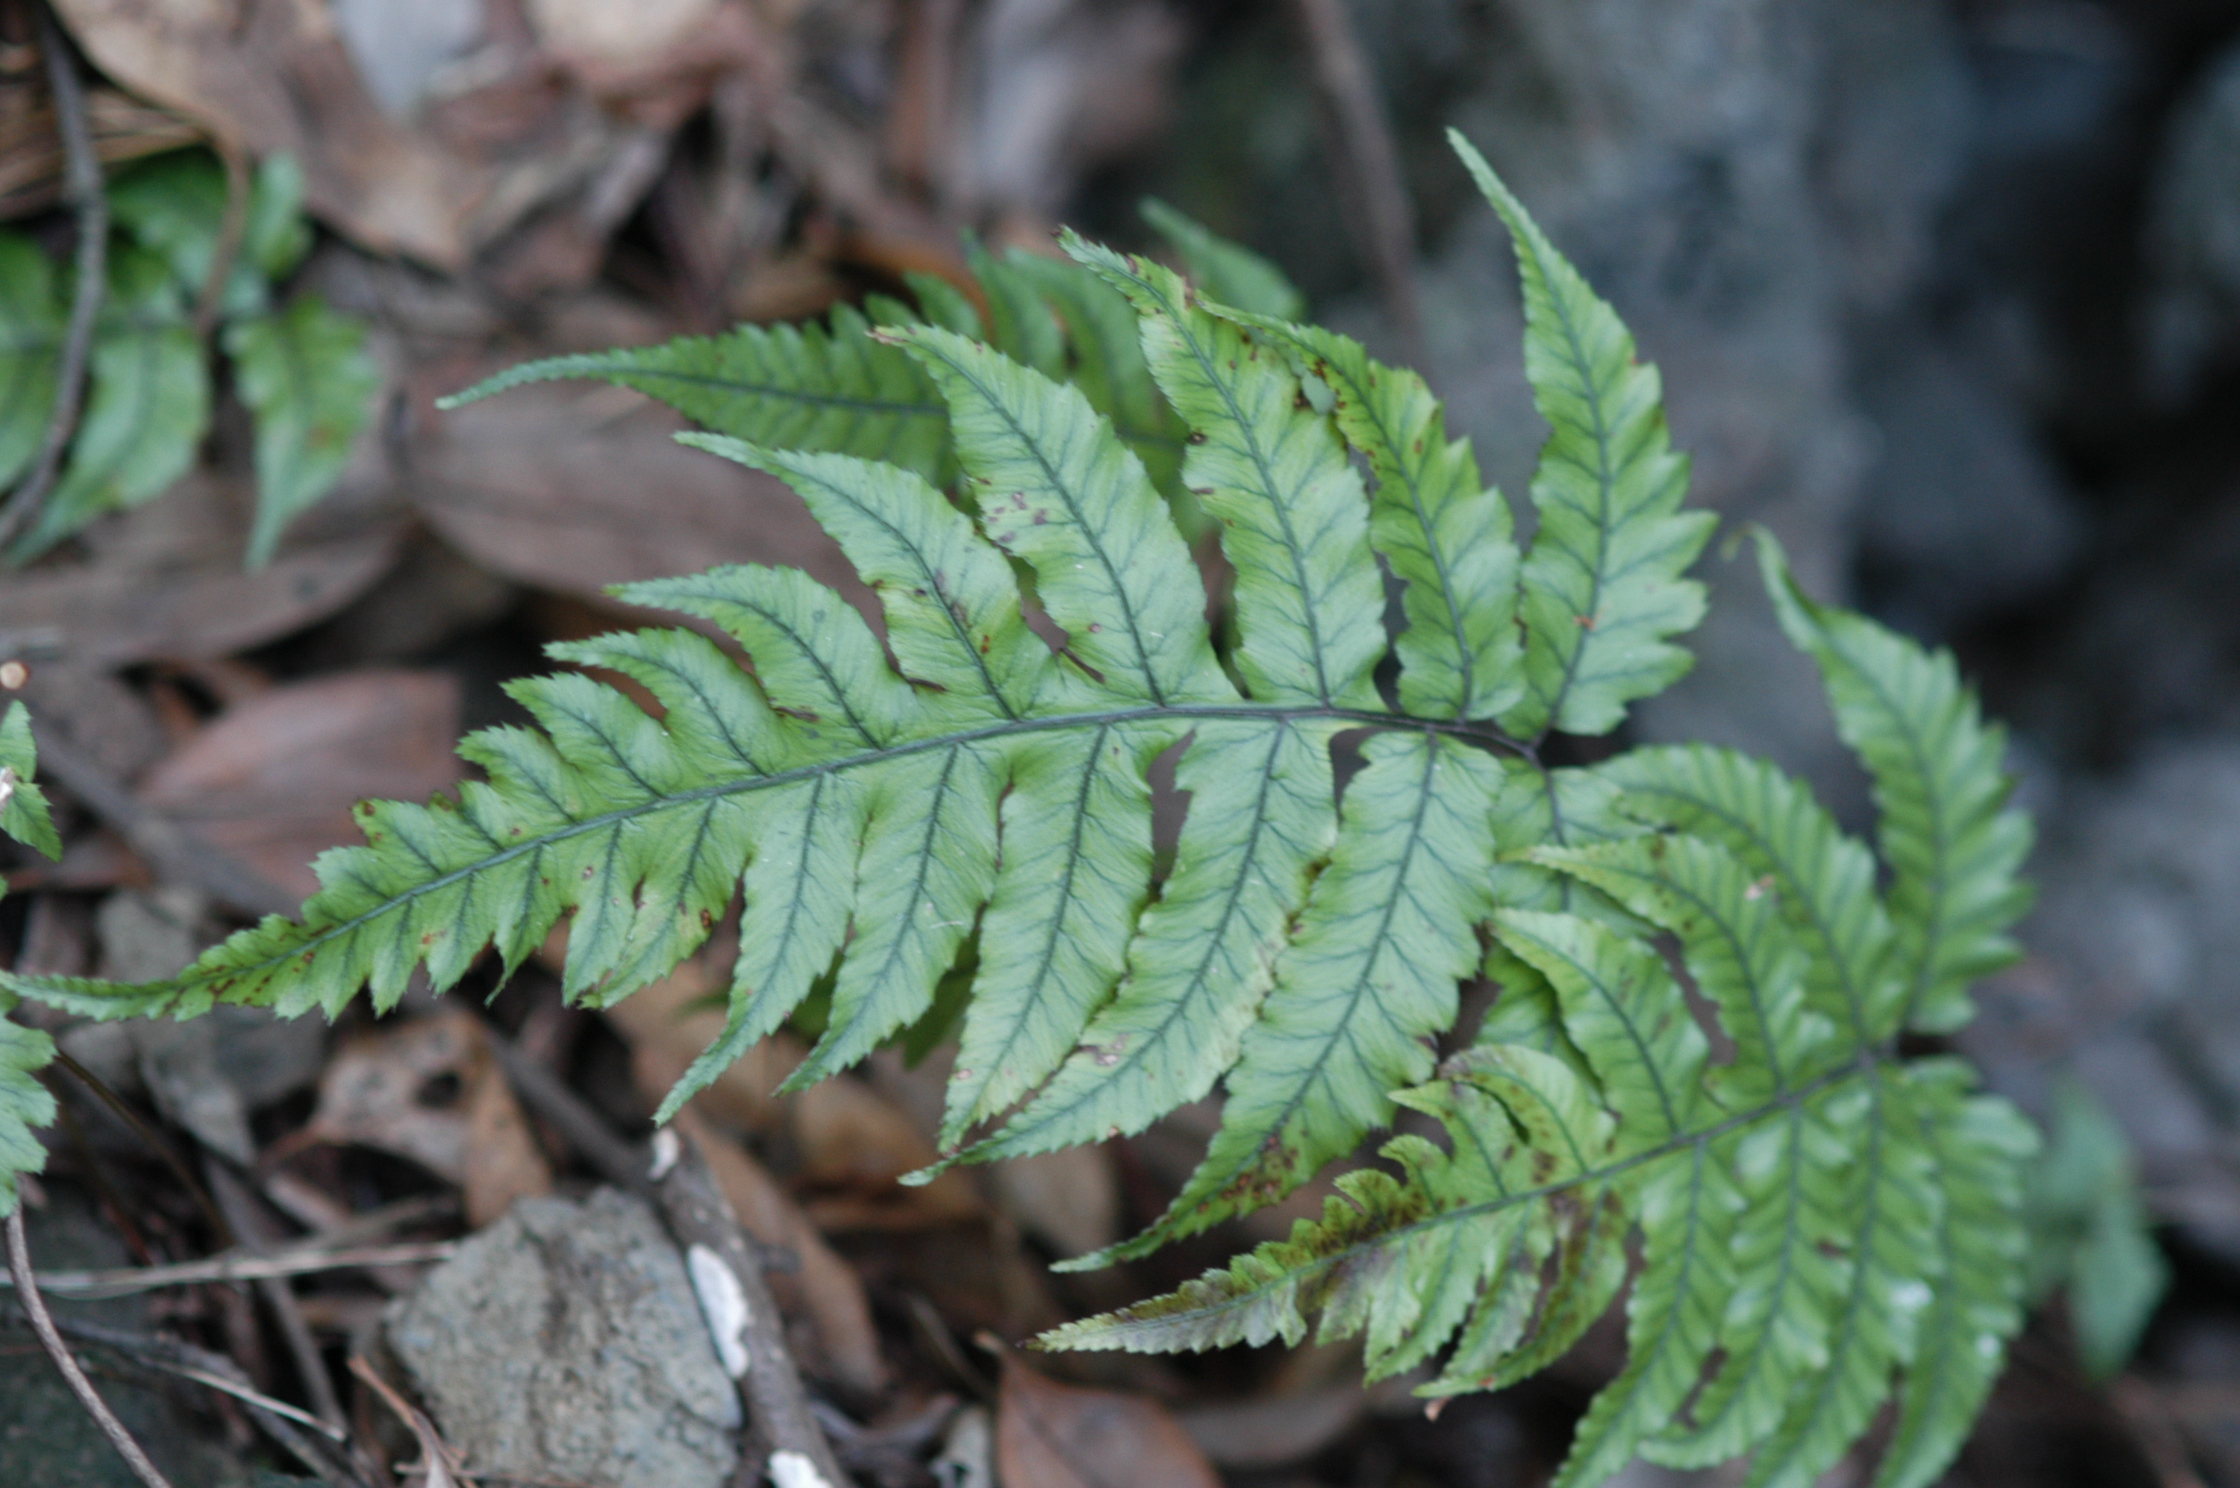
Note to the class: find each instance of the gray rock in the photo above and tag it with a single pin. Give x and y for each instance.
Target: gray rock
(564, 1342)
(1961, 511)
(2131, 978)
(2193, 232)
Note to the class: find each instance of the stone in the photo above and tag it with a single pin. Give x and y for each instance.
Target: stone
(564, 1343)
(2128, 982)
(2193, 233)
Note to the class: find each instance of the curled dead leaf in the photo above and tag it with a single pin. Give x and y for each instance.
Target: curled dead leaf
(1050, 1435)
(430, 1090)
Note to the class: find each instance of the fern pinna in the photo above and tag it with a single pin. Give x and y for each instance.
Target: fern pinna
(1817, 1219)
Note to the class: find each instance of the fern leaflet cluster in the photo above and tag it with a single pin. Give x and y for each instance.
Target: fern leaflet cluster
(25, 1104)
(301, 368)
(1817, 1218)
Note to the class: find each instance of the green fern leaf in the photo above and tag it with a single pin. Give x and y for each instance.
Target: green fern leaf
(301, 369)
(1602, 585)
(31, 328)
(23, 809)
(1020, 322)
(1108, 363)
(1275, 477)
(838, 389)
(1957, 853)
(1366, 981)
(1226, 271)
(147, 405)
(1979, 1145)
(1822, 880)
(175, 207)
(827, 388)
(1445, 534)
(25, 1104)
(308, 381)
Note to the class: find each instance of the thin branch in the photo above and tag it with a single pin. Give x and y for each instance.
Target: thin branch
(439, 1466)
(211, 1370)
(149, 1138)
(620, 1162)
(42, 1324)
(83, 186)
(735, 1299)
(1382, 223)
(256, 1231)
(2154, 1432)
(309, 1260)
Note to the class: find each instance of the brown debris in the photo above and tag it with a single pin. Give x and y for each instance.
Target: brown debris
(1050, 1435)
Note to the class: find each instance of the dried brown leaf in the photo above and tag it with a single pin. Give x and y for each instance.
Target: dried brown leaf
(166, 581)
(574, 490)
(430, 1090)
(273, 781)
(278, 76)
(1050, 1435)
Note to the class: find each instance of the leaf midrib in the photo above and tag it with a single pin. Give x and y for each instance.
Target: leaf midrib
(1250, 432)
(1866, 1064)
(1367, 718)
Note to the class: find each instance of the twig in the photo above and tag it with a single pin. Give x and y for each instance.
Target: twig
(727, 1276)
(2153, 1431)
(1381, 222)
(620, 1162)
(42, 1324)
(256, 1231)
(215, 1371)
(187, 1362)
(123, 1281)
(83, 185)
(170, 849)
(437, 1462)
(149, 1138)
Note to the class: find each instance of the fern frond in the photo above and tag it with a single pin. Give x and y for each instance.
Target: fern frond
(1979, 1144)
(1955, 850)
(1822, 880)
(306, 377)
(23, 808)
(1274, 475)
(1445, 534)
(25, 1104)
(809, 387)
(31, 329)
(301, 368)
(147, 405)
(955, 794)
(838, 388)
(1602, 585)
(1368, 978)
